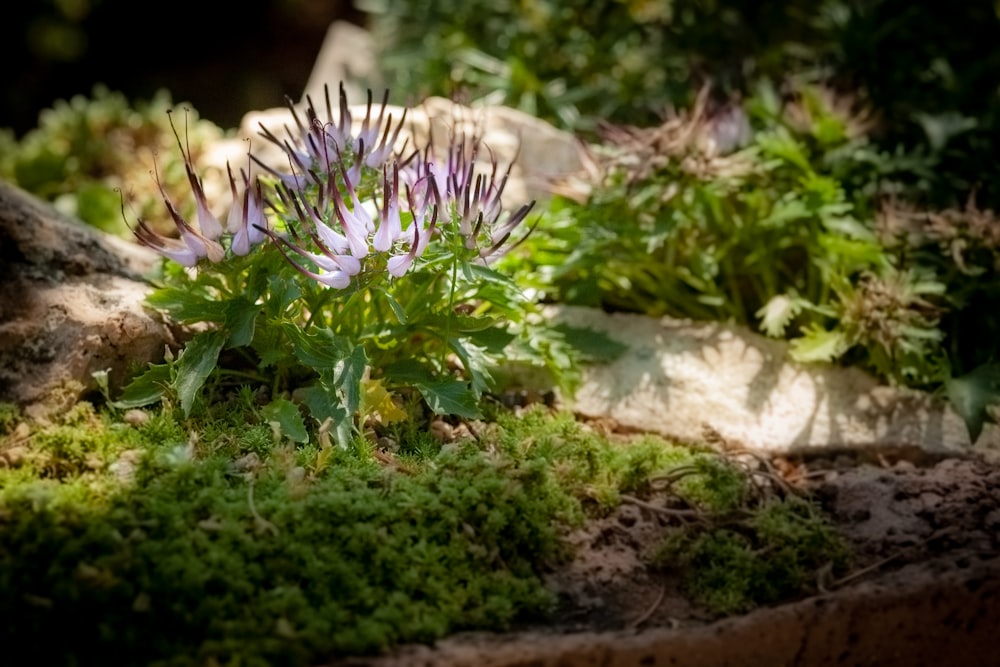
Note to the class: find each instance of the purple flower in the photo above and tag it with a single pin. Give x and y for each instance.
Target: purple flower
(245, 218)
(472, 196)
(317, 144)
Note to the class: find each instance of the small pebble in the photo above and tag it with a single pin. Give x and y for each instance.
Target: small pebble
(247, 463)
(14, 456)
(441, 431)
(136, 417)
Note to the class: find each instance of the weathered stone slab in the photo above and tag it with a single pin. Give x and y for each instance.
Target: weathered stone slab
(71, 304)
(687, 379)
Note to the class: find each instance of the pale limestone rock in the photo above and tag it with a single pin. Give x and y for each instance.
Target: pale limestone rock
(72, 303)
(348, 54)
(688, 380)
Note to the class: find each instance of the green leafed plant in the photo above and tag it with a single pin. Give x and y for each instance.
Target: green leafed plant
(771, 215)
(353, 267)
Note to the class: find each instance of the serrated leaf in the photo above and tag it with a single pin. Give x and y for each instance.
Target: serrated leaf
(281, 294)
(324, 403)
(318, 350)
(780, 144)
(185, 306)
(196, 363)
(818, 345)
(241, 315)
(146, 389)
(487, 274)
(408, 372)
(475, 362)
(451, 397)
(777, 313)
(286, 415)
(493, 339)
(972, 394)
(395, 306)
(786, 211)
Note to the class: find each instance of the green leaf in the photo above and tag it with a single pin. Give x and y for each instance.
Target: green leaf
(780, 144)
(319, 350)
(350, 374)
(493, 340)
(778, 312)
(186, 306)
(445, 397)
(196, 363)
(972, 394)
(286, 415)
(397, 308)
(819, 345)
(451, 397)
(475, 362)
(409, 372)
(241, 314)
(785, 211)
(487, 274)
(323, 403)
(146, 389)
(282, 293)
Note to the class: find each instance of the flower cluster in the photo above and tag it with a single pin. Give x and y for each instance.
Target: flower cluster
(349, 194)
(243, 222)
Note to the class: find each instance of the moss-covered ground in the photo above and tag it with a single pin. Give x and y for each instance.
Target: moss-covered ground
(142, 538)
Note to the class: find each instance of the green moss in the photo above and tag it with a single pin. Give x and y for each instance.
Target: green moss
(169, 550)
(194, 561)
(202, 564)
(583, 461)
(774, 554)
(9, 417)
(714, 484)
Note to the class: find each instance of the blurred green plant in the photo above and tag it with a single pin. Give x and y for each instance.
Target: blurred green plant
(87, 149)
(577, 62)
(772, 214)
(930, 72)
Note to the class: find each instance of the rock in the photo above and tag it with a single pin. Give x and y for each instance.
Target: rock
(72, 304)
(689, 380)
(348, 54)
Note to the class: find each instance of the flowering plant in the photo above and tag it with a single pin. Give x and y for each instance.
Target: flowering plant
(355, 273)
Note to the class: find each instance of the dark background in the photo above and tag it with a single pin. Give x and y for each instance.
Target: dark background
(223, 58)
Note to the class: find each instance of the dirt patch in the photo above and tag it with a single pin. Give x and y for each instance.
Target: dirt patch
(924, 587)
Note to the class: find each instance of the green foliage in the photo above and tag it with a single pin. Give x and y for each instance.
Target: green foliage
(731, 567)
(89, 152)
(774, 217)
(9, 415)
(929, 72)
(576, 63)
(973, 394)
